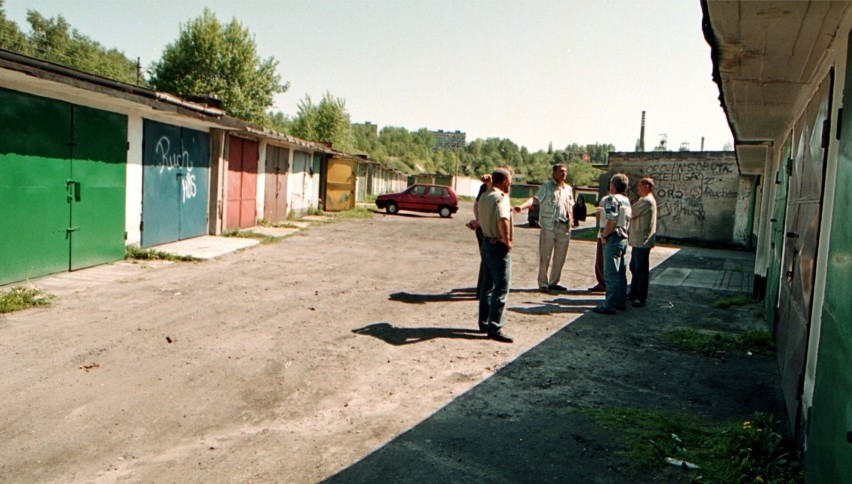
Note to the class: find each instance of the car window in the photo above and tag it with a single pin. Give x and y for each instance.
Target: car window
(418, 190)
(437, 191)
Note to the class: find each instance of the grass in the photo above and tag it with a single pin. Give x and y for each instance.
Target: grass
(741, 452)
(137, 253)
(250, 234)
(715, 344)
(20, 298)
(735, 300)
(354, 213)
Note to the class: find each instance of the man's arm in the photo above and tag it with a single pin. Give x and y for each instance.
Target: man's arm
(505, 230)
(527, 204)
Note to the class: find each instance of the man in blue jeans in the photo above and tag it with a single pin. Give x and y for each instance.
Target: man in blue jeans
(616, 213)
(495, 220)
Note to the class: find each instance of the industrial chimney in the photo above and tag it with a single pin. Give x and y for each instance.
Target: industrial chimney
(642, 134)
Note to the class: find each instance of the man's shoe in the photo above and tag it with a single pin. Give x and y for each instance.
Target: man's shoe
(557, 287)
(597, 288)
(603, 310)
(501, 336)
(638, 304)
(543, 289)
(483, 328)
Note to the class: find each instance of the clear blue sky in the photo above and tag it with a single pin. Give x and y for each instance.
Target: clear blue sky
(533, 71)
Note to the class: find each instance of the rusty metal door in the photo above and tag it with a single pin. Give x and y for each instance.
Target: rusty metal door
(243, 158)
(778, 224)
(275, 197)
(340, 185)
(804, 206)
(830, 420)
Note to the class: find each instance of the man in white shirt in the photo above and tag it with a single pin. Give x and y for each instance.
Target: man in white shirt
(556, 200)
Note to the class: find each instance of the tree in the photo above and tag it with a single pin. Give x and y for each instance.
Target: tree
(53, 40)
(327, 122)
(11, 37)
(211, 59)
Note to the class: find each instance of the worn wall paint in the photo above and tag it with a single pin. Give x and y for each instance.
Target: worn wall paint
(700, 195)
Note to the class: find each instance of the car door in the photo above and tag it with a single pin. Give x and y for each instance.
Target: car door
(437, 197)
(415, 199)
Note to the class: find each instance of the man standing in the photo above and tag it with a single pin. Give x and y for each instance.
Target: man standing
(616, 212)
(556, 200)
(495, 219)
(643, 230)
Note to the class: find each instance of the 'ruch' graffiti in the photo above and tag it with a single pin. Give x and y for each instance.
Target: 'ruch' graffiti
(168, 161)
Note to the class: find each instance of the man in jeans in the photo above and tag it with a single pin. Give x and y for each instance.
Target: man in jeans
(616, 213)
(556, 200)
(643, 229)
(495, 220)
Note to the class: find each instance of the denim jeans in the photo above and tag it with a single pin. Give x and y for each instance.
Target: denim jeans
(615, 271)
(639, 268)
(496, 279)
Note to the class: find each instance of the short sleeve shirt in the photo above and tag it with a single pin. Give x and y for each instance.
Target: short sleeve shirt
(554, 204)
(617, 207)
(493, 206)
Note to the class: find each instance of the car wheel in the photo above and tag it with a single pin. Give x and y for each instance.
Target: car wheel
(392, 208)
(444, 212)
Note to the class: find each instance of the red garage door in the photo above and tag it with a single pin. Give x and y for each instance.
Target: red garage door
(242, 183)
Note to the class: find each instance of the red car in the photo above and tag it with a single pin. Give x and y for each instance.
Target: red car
(421, 198)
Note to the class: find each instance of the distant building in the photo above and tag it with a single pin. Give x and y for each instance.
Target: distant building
(446, 140)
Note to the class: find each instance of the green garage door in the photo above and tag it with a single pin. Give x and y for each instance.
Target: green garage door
(62, 185)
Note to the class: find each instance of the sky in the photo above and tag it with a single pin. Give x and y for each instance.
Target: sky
(533, 71)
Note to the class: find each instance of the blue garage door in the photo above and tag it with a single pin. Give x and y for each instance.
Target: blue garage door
(175, 183)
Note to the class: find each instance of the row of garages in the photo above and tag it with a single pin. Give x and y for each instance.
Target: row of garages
(89, 166)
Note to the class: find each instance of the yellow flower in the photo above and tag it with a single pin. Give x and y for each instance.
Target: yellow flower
(746, 424)
(758, 479)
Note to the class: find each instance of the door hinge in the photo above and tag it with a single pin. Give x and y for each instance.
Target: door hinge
(72, 229)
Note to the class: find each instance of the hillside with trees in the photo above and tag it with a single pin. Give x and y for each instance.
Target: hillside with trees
(215, 60)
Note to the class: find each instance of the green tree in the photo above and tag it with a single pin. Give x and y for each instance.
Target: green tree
(11, 37)
(211, 59)
(327, 122)
(53, 40)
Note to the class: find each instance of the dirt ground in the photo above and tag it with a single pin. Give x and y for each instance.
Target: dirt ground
(348, 352)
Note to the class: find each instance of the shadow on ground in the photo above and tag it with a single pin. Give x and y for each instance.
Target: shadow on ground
(526, 422)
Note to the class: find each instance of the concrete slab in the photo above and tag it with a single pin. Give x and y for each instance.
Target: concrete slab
(65, 283)
(673, 276)
(206, 247)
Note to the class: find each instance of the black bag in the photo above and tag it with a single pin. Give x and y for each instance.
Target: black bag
(579, 210)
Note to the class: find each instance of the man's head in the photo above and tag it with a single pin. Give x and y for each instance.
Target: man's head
(618, 183)
(560, 172)
(486, 179)
(645, 186)
(501, 179)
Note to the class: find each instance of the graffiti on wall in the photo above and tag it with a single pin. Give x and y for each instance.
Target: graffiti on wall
(692, 194)
(168, 161)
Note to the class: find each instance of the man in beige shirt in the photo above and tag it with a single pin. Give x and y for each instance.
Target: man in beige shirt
(643, 230)
(495, 219)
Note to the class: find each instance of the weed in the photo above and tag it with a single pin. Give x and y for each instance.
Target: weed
(735, 300)
(249, 234)
(357, 212)
(744, 452)
(137, 253)
(19, 298)
(714, 344)
(315, 211)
